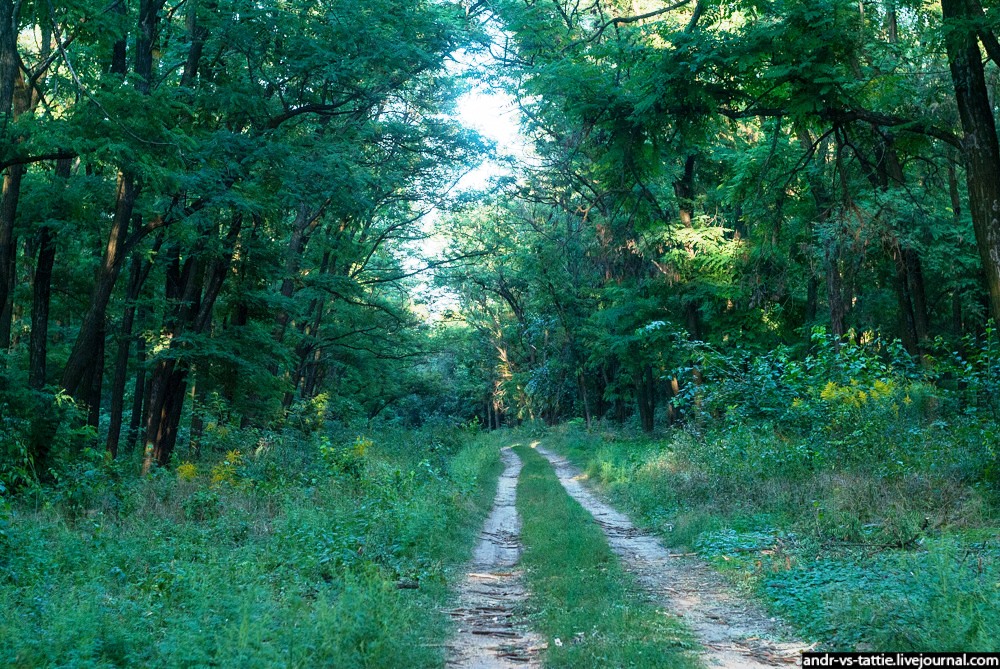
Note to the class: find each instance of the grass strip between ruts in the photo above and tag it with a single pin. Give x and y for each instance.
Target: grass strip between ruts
(590, 611)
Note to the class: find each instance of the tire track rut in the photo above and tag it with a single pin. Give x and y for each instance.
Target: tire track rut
(489, 634)
(734, 633)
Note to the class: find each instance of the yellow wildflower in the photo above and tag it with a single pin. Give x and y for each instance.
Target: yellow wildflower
(223, 473)
(361, 445)
(829, 392)
(881, 389)
(187, 471)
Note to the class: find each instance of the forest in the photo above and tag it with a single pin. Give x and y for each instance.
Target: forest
(281, 328)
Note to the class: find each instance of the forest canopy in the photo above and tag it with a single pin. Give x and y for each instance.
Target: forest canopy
(217, 213)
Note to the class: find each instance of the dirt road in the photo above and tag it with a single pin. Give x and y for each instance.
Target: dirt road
(489, 635)
(734, 634)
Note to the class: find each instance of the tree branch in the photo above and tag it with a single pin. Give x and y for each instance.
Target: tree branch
(848, 115)
(27, 160)
(621, 20)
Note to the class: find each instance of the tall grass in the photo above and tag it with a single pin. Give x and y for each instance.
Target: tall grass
(266, 557)
(856, 556)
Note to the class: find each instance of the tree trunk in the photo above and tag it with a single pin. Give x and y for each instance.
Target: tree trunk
(127, 192)
(197, 36)
(9, 76)
(812, 299)
(293, 260)
(137, 275)
(81, 356)
(41, 299)
(981, 149)
(95, 383)
(901, 285)
(646, 396)
(119, 62)
(8, 250)
(908, 278)
(41, 296)
(139, 391)
(834, 288)
(149, 19)
(684, 191)
(918, 294)
(196, 289)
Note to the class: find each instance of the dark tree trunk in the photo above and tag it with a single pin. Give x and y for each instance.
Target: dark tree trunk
(124, 337)
(95, 383)
(41, 297)
(9, 29)
(149, 19)
(908, 280)
(196, 289)
(9, 78)
(301, 229)
(646, 396)
(307, 352)
(196, 35)
(139, 391)
(137, 277)
(86, 343)
(812, 299)
(901, 285)
(8, 250)
(684, 191)
(981, 149)
(834, 288)
(891, 22)
(693, 317)
(831, 250)
(119, 64)
(166, 399)
(918, 294)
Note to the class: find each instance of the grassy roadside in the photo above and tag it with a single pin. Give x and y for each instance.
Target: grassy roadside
(579, 592)
(852, 559)
(308, 554)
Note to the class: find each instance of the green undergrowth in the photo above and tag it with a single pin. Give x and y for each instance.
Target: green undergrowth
(853, 557)
(333, 551)
(581, 601)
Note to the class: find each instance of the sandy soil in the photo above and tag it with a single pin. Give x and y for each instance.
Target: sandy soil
(489, 635)
(734, 633)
